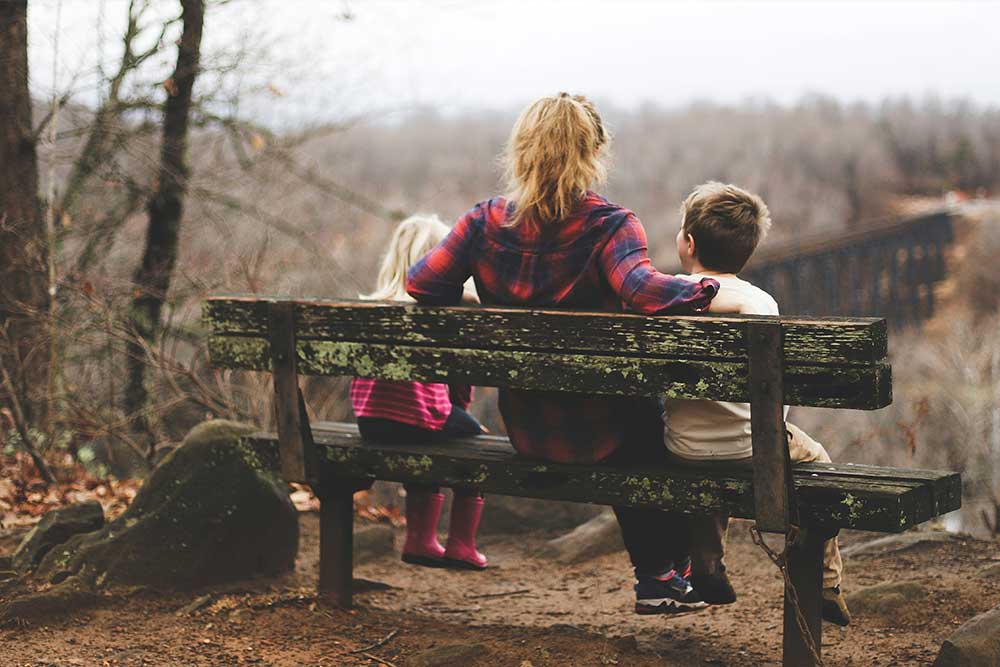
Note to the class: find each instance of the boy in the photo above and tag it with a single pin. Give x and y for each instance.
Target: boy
(721, 226)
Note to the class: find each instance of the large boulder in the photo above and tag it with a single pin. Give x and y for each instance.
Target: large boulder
(974, 644)
(55, 528)
(890, 600)
(210, 513)
(901, 542)
(598, 537)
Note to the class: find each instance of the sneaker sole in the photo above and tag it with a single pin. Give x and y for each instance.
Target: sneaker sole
(670, 607)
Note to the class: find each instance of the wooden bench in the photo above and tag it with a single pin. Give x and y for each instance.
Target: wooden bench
(766, 361)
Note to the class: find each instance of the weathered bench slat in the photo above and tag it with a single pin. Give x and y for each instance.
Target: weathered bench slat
(827, 497)
(857, 387)
(814, 341)
(946, 487)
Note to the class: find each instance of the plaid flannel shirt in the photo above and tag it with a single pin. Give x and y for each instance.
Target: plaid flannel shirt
(596, 260)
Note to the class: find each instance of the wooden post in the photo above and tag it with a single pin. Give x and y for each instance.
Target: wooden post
(295, 443)
(773, 490)
(336, 542)
(805, 569)
(772, 468)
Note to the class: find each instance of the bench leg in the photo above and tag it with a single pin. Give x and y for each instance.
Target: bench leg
(336, 543)
(805, 569)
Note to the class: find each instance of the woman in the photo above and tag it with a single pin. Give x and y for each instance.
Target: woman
(552, 241)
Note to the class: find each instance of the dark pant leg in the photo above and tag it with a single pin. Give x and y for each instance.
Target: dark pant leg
(656, 540)
(461, 424)
(387, 430)
(708, 532)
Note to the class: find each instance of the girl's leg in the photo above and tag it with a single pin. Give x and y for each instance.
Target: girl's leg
(423, 509)
(460, 424)
(423, 501)
(461, 552)
(467, 504)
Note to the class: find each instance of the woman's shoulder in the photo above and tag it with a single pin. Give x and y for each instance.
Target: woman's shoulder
(488, 212)
(598, 206)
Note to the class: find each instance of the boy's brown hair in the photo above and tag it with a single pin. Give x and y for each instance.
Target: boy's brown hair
(726, 223)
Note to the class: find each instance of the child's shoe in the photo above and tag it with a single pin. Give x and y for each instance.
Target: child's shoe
(668, 593)
(835, 607)
(466, 511)
(423, 510)
(714, 588)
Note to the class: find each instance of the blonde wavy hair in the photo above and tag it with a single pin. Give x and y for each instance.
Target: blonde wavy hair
(412, 239)
(554, 155)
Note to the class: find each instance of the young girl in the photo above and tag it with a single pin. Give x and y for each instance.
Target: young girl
(421, 412)
(552, 241)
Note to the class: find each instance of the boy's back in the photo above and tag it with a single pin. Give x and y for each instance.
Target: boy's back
(716, 430)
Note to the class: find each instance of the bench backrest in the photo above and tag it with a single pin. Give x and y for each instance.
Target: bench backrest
(828, 362)
(766, 361)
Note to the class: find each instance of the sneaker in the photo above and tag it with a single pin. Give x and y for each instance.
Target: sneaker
(835, 607)
(714, 588)
(668, 593)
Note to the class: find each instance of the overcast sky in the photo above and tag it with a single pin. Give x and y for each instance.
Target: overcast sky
(501, 54)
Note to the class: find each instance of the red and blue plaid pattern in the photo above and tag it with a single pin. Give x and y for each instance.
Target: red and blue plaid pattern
(595, 260)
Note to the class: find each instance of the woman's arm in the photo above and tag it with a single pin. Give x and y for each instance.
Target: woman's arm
(439, 276)
(645, 290)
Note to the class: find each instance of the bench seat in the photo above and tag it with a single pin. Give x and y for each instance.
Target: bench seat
(859, 497)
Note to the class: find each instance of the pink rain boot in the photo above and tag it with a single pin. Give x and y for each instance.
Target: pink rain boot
(423, 510)
(461, 551)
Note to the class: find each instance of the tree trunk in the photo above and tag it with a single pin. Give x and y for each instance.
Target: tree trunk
(24, 294)
(152, 277)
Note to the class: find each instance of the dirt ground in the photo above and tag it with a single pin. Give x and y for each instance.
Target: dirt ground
(522, 612)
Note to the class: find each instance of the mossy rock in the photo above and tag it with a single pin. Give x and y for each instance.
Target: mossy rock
(210, 513)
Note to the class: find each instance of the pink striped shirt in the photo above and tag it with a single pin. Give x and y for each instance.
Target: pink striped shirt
(422, 404)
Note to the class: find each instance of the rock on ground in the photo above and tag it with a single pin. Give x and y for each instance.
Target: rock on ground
(975, 644)
(373, 541)
(901, 542)
(210, 513)
(598, 537)
(886, 600)
(55, 528)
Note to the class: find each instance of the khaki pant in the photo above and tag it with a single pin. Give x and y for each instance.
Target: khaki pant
(708, 534)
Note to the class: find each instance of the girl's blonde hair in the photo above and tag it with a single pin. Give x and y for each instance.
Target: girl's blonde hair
(413, 238)
(554, 155)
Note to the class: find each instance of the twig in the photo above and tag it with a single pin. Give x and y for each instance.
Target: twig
(483, 596)
(381, 642)
(381, 661)
(22, 429)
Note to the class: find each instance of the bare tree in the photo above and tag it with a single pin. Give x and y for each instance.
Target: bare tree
(152, 278)
(24, 296)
